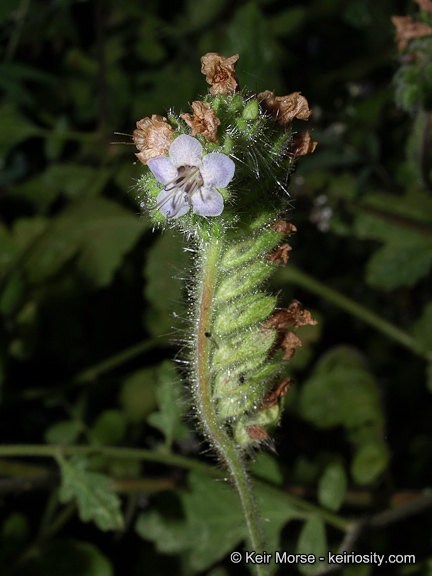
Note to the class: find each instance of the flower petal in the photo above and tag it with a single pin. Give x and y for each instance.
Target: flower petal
(163, 169)
(207, 202)
(185, 151)
(217, 170)
(172, 205)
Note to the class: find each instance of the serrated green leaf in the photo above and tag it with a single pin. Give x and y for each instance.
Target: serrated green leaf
(312, 540)
(332, 486)
(97, 230)
(91, 492)
(71, 180)
(369, 462)
(66, 432)
(346, 396)
(214, 524)
(400, 263)
(170, 536)
(170, 398)
(399, 222)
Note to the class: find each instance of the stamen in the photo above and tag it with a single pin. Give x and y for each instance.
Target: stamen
(181, 189)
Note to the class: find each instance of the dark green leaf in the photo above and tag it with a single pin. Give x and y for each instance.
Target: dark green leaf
(422, 329)
(91, 491)
(332, 486)
(166, 267)
(312, 540)
(137, 395)
(171, 401)
(109, 428)
(14, 128)
(347, 397)
(99, 231)
(68, 558)
(214, 524)
(369, 462)
(66, 432)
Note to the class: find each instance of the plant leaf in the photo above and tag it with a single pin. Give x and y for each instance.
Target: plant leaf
(97, 230)
(332, 486)
(170, 398)
(312, 540)
(91, 491)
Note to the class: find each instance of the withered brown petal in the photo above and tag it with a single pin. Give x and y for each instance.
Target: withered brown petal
(153, 137)
(425, 5)
(303, 144)
(290, 342)
(204, 121)
(407, 29)
(280, 254)
(256, 432)
(302, 317)
(220, 73)
(283, 226)
(272, 397)
(285, 108)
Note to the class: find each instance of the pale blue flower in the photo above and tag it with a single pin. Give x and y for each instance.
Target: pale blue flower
(190, 181)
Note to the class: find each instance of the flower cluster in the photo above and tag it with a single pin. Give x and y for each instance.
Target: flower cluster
(189, 155)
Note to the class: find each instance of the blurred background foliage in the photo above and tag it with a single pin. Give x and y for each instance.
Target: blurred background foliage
(91, 301)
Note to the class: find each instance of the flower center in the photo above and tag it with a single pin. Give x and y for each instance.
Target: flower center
(180, 189)
(188, 181)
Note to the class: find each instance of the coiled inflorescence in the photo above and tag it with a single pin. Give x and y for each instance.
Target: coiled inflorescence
(220, 175)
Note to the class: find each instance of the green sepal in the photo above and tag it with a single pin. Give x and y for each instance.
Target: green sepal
(242, 346)
(243, 312)
(251, 248)
(243, 280)
(250, 111)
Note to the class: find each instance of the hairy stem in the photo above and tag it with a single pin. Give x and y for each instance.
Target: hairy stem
(216, 434)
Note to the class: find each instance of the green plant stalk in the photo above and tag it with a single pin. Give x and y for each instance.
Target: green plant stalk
(38, 451)
(216, 434)
(294, 275)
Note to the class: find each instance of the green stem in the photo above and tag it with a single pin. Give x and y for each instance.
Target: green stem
(53, 451)
(215, 432)
(293, 275)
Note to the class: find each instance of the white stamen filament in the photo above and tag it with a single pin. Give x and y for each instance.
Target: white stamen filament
(185, 184)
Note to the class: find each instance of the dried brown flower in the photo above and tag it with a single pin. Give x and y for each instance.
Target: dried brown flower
(289, 343)
(204, 121)
(256, 432)
(272, 397)
(407, 29)
(280, 254)
(153, 137)
(283, 226)
(425, 5)
(303, 144)
(285, 108)
(294, 316)
(220, 73)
